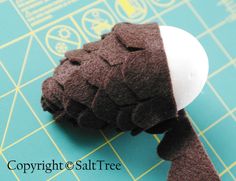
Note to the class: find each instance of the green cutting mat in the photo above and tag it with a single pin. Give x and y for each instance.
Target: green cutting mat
(34, 34)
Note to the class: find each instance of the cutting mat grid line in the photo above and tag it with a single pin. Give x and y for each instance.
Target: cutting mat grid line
(158, 15)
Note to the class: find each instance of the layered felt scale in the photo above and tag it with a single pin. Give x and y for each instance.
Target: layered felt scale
(123, 80)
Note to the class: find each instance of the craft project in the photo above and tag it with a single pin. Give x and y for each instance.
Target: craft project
(124, 80)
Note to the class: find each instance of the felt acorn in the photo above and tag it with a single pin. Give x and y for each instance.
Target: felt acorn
(123, 80)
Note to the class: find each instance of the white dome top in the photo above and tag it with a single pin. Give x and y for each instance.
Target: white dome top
(188, 64)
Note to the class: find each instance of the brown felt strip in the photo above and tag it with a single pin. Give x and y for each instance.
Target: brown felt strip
(182, 146)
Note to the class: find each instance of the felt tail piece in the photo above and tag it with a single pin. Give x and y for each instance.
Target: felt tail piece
(189, 159)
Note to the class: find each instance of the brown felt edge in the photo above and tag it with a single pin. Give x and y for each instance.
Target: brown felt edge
(189, 158)
(62, 74)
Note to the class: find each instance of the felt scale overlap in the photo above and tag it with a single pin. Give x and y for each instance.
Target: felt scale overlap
(123, 80)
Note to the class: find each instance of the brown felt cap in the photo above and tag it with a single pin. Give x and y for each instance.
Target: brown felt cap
(182, 146)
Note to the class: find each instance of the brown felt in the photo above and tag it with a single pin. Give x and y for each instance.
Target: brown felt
(182, 146)
(123, 119)
(145, 73)
(104, 35)
(48, 106)
(112, 50)
(73, 108)
(129, 68)
(63, 116)
(63, 72)
(78, 56)
(95, 71)
(123, 80)
(87, 119)
(130, 35)
(89, 47)
(103, 107)
(138, 36)
(78, 89)
(149, 113)
(63, 61)
(116, 88)
(52, 91)
(162, 126)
